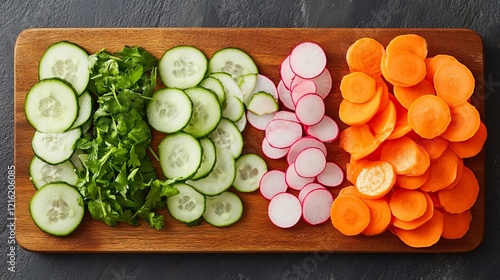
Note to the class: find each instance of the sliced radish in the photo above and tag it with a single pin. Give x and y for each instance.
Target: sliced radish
(272, 152)
(293, 180)
(301, 144)
(307, 60)
(307, 189)
(285, 96)
(316, 206)
(272, 183)
(332, 176)
(283, 133)
(265, 84)
(284, 210)
(310, 163)
(262, 103)
(286, 72)
(323, 83)
(286, 115)
(310, 109)
(259, 122)
(301, 89)
(327, 130)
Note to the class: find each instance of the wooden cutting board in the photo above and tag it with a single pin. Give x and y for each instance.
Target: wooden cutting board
(254, 232)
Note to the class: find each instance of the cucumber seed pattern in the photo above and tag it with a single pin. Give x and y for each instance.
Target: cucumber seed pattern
(178, 157)
(184, 68)
(186, 203)
(167, 109)
(247, 172)
(60, 210)
(50, 106)
(66, 69)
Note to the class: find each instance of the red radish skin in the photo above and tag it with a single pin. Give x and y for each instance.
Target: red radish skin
(285, 96)
(283, 133)
(327, 130)
(310, 109)
(272, 183)
(310, 163)
(307, 60)
(293, 180)
(332, 176)
(284, 210)
(272, 152)
(302, 89)
(259, 122)
(286, 73)
(309, 188)
(265, 84)
(301, 144)
(316, 206)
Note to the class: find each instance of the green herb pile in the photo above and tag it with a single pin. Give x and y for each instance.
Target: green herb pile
(120, 183)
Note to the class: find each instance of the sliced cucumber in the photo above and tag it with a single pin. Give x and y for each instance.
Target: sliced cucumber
(206, 112)
(207, 159)
(262, 103)
(55, 148)
(51, 106)
(230, 86)
(77, 161)
(234, 108)
(247, 84)
(57, 208)
(233, 61)
(216, 87)
(85, 109)
(228, 136)
(42, 173)
(223, 210)
(221, 177)
(170, 110)
(180, 155)
(182, 67)
(249, 170)
(188, 205)
(67, 61)
(242, 123)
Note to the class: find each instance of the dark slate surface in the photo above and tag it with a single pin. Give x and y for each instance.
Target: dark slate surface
(482, 16)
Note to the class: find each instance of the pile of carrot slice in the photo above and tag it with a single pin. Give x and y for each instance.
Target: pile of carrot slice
(410, 126)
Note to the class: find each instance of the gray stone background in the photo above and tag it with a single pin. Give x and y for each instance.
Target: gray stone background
(482, 16)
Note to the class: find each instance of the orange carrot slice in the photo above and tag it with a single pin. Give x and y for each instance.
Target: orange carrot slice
(360, 113)
(433, 63)
(407, 157)
(349, 215)
(404, 68)
(407, 205)
(376, 179)
(434, 146)
(413, 224)
(429, 116)
(411, 43)
(358, 141)
(442, 172)
(465, 121)
(455, 226)
(461, 197)
(358, 87)
(380, 216)
(454, 83)
(406, 95)
(364, 55)
(412, 182)
(425, 235)
(472, 146)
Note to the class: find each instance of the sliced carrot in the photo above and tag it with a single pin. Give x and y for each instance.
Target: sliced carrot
(358, 141)
(386, 75)
(376, 179)
(472, 146)
(413, 224)
(404, 68)
(442, 172)
(425, 235)
(454, 83)
(434, 62)
(364, 55)
(360, 113)
(461, 197)
(384, 122)
(380, 216)
(358, 87)
(407, 205)
(407, 157)
(460, 172)
(350, 190)
(455, 226)
(406, 95)
(353, 168)
(412, 43)
(435, 199)
(412, 182)
(434, 146)
(402, 127)
(349, 215)
(429, 116)
(465, 121)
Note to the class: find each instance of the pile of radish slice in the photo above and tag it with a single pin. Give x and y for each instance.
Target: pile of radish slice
(299, 134)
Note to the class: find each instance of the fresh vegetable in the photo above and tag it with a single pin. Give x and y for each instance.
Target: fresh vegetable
(284, 210)
(349, 214)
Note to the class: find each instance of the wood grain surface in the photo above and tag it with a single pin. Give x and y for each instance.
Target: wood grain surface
(254, 232)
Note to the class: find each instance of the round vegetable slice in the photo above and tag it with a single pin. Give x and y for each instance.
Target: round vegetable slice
(284, 210)
(249, 170)
(180, 155)
(182, 67)
(223, 210)
(170, 110)
(188, 205)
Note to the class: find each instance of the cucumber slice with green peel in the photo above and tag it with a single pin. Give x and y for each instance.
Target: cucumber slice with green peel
(67, 61)
(249, 170)
(230, 86)
(188, 205)
(85, 109)
(262, 103)
(55, 148)
(228, 136)
(242, 123)
(216, 87)
(206, 112)
(57, 208)
(223, 210)
(51, 106)
(247, 84)
(42, 173)
(207, 160)
(233, 61)
(220, 178)
(182, 67)
(170, 110)
(234, 109)
(180, 155)
(77, 161)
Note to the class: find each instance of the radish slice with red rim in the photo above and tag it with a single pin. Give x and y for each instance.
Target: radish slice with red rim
(272, 152)
(293, 180)
(301, 144)
(283, 133)
(310, 109)
(307, 60)
(259, 122)
(327, 130)
(310, 162)
(286, 115)
(286, 72)
(307, 189)
(332, 176)
(284, 210)
(316, 206)
(285, 96)
(265, 84)
(272, 183)
(323, 83)
(301, 89)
